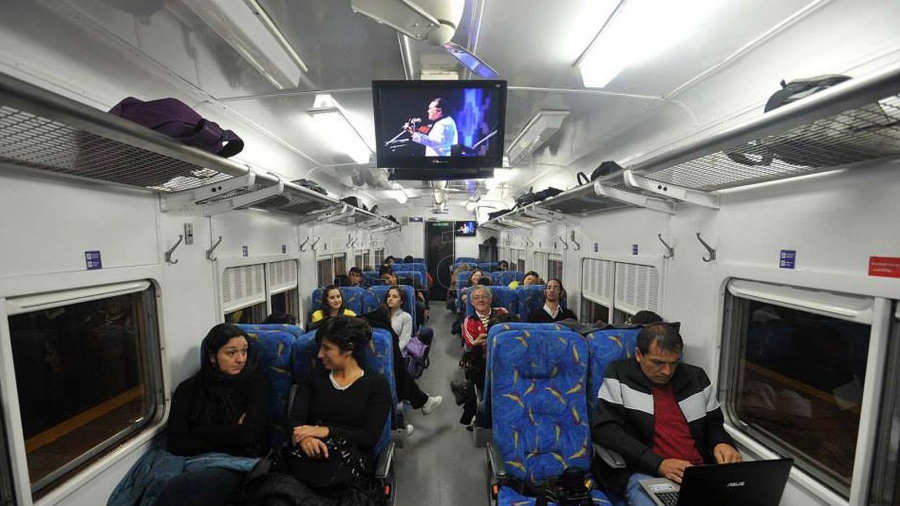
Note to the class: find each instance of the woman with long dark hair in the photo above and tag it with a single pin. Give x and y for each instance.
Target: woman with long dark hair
(332, 304)
(223, 408)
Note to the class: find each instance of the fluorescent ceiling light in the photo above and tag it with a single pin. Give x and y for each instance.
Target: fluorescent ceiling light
(636, 31)
(538, 129)
(337, 129)
(247, 28)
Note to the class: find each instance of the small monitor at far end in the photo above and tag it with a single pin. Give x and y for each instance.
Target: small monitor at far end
(465, 228)
(439, 125)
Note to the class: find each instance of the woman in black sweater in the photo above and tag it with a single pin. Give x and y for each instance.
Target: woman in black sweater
(222, 408)
(340, 399)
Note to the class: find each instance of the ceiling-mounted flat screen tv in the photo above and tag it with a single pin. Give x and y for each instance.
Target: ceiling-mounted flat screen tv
(465, 228)
(441, 125)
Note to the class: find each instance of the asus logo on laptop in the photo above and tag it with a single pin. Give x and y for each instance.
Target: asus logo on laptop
(735, 484)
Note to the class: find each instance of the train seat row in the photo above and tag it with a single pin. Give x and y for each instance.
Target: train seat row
(364, 300)
(518, 301)
(541, 386)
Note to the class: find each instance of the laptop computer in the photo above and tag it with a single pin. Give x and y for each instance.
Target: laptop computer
(756, 483)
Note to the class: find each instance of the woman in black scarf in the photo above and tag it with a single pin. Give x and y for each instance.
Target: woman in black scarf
(222, 408)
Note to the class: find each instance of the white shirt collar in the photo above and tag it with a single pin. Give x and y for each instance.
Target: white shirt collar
(551, 312)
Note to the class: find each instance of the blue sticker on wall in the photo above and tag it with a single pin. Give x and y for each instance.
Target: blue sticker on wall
(596, 247)
(284, 248)
(416, 219)
(787, 259)
(245, 251)
(634, 249)
(92, 260)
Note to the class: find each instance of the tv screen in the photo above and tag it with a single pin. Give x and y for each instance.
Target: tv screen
(464, 228)
(440, 125)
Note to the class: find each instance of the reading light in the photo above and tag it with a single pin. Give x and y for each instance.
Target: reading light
(259, 42)
(634, 32)
(337, 129)
(538, 129)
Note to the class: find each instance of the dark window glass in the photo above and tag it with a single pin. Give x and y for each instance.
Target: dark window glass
(554, 269)
(326, 272)
(250, 314)
(285, 302)
(592, 312)
(798, 383)
(87, 376)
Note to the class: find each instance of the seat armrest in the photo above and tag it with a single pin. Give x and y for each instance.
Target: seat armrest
(609, 457)
(385, 459)
(495, 462)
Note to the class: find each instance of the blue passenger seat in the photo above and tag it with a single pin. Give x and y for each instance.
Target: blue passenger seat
(273, 350)
(540, 411)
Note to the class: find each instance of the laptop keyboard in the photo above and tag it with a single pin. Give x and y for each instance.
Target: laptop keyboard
(668, 498)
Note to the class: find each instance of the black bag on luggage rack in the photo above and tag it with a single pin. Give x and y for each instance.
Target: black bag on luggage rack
(604, 169)
(849, 137)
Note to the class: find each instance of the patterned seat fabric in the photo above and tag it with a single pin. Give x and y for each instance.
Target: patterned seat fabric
(501, 296)
(418, 260)
(379, 358)
(526, 329)
(295, 330)
(531, 297)
(417, 277)
(487, 266)
(607, 346)
(504, 278)
(466, 260)
(540, 415)
(411, 267)
(273, 350)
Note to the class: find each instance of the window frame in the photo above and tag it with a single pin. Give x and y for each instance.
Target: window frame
(874, 379)
(618, 314)
(51, 291)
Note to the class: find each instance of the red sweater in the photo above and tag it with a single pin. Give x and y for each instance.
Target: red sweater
(474, 326)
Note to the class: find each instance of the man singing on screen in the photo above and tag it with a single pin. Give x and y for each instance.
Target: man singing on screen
(442, 135)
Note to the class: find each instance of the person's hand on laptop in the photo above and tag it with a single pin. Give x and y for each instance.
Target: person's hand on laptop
(726, 454)
(673, 469)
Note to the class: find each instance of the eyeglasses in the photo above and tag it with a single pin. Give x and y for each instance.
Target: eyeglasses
(480, 297)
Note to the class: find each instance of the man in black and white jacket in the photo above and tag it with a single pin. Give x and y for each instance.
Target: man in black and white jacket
(660, 415)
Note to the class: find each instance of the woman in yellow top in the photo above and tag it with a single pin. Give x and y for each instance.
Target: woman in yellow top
(332, 305)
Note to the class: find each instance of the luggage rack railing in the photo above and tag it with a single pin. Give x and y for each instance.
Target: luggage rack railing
(847, 126)
(43, 131)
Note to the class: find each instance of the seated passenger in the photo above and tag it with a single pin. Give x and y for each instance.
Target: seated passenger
(342, 280)
(222, 408)
(478, 277)
(332, 305)
(475, 336)
(356, 276)
(339, 406)
(654, 432)
(552, 311)
(530, 278)
(502, 265)
(407, 388)
(389, 277)
(282, 318)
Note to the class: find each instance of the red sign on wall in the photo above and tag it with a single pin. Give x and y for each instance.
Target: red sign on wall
(886, 267)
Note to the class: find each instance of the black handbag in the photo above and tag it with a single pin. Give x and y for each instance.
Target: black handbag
(345, 466)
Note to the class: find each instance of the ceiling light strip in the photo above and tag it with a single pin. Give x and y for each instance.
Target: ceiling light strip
(273, 29)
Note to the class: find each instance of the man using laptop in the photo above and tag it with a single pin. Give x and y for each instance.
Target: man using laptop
(660, 415)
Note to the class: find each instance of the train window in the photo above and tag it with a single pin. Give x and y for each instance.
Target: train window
(795, 366)
(379, 256)
(244, 294)
(636, 288)
(886, 471)
(340, 264)
(283, 293)
(554, 268)
(7, 494)
(363, 258)
(597, 289)
(331, 266)
(88, 374)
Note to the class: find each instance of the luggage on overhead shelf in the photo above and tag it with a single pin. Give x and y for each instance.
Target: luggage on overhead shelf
(179, 121)
(312, 185)
(604, 169)
(849, 137)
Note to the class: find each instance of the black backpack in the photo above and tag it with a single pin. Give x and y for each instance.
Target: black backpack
(604, 169)
(819, 145)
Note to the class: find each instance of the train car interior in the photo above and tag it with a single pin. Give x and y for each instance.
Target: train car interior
(167, 166)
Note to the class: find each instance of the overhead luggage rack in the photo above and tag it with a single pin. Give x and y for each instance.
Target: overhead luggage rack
(44, 131)
(854, 122)
(845, 126)
(350, 216)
